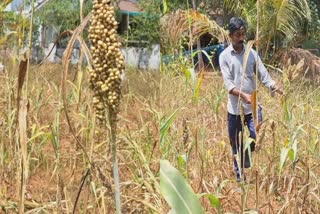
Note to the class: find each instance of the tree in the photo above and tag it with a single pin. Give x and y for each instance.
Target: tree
(280, 21)
(61, 14)
(145, 27)
(313, 27)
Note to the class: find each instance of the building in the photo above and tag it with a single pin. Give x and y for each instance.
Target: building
(142, 58)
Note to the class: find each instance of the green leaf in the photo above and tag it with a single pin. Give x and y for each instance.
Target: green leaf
(193, 76)
(283, 157)
(219, 100)
(295, 149)
(197, 89)
(208, 57)
(214, 201)
(165, 7)
(177, 192)
(166, 124)
(291, 154)
(287, 115)
(182, 160)
(187, 74)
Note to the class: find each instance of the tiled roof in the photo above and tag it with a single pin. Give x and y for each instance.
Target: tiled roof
(130, 6)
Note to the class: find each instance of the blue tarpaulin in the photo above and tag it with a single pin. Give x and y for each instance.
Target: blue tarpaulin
(217, 48)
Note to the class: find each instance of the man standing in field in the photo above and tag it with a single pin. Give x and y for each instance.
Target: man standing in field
(240, 86)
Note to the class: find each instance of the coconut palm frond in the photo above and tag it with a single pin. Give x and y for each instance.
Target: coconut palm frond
(234, 6)
(289, 15)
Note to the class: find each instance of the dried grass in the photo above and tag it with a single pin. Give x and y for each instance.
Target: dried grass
(310, 68)
(210, 165)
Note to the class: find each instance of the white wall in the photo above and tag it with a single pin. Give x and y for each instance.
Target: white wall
(142, 58)
(14, 5)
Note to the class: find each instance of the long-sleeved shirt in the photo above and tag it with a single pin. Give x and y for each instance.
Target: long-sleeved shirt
(231, 63)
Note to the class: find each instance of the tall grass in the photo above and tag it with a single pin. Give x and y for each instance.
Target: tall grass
(278, 183)
(57, 166)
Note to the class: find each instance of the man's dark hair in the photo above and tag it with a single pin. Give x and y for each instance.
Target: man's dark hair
(235, 24)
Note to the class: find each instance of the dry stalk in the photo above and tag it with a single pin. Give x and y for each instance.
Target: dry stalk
(22, 118)
(105, 76)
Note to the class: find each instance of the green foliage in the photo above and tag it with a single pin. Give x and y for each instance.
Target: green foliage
(203, 6)
(11, 29)
(165, 124)
(3, 4)
(63, 14)
(177, 192)
(145, 27)
(171, 5)
(214, 201)
(281, 22)
(314, 24)
(8, 21)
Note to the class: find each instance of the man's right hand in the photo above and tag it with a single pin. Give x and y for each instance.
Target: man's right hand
(245, 97)
(278, 88)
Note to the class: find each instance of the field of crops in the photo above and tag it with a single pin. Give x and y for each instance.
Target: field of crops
(284, 176)
(87, 129)
(59, 171)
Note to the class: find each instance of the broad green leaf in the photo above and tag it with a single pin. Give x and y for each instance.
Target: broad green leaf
(177, 192)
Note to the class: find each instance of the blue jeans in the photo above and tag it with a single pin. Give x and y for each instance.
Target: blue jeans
(234, 129)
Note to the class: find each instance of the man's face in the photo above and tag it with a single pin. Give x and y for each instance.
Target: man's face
(238, 37)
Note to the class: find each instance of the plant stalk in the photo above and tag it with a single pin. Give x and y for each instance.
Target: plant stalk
(29, 49)
(256, 105)
(113, 130)
(23, 125)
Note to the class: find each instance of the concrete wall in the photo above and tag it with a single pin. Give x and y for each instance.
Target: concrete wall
(14, 5)
(141, 58)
